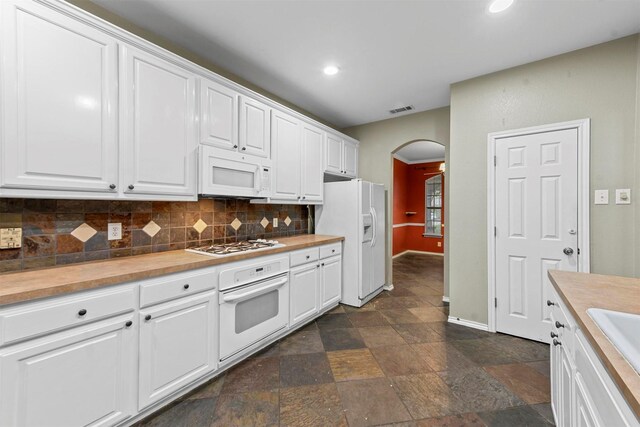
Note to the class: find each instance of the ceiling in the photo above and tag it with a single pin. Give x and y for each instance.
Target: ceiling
(420, 151)
(391, 53)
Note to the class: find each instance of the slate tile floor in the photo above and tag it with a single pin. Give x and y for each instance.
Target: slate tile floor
(395, 361)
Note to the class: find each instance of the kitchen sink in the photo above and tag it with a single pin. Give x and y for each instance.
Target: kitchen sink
(623, 330)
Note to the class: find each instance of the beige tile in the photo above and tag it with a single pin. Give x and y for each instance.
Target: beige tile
(379, 336)
(428, 314)
(526, 382)
(356, 364)
(400, 360)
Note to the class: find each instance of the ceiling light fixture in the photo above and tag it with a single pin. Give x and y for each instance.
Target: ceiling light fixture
(498, 6)
(331, 70)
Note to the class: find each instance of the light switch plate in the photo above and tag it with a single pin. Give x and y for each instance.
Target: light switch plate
(601, 197)
(623, 196)
(10, 238)
(114, 231)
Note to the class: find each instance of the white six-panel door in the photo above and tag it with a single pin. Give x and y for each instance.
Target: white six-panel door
(536, 216)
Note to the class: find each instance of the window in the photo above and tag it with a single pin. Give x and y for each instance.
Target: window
(433, 206)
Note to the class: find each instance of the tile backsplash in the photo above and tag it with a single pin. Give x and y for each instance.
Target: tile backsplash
(56, 232)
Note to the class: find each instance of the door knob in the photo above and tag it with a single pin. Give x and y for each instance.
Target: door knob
(568, 251)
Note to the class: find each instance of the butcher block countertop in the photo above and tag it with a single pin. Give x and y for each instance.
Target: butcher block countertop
(29, 285)
(581, 291)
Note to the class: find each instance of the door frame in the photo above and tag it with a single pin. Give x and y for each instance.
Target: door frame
(584, 140)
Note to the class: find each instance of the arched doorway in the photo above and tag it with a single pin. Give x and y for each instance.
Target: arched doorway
(419, 201)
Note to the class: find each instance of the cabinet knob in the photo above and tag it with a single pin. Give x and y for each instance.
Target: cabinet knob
(308, 256)
(82, 312)
(186, 286)
(556, 342)
(244, 148)
(112, 186)
(147, 317)
(322, 264)
(131, 187)
(559, 325)
(128, 324)
(333, 251)
(304, 197)
(554, 335)
(235, 146)
(318, 266)
(549, 303)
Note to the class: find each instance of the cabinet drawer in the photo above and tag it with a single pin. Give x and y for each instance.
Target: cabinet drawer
(304, 256)
(330, 250)
(33, 319)
(177, 285)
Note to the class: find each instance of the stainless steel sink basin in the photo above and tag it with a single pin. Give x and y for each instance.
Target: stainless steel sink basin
(623, 330)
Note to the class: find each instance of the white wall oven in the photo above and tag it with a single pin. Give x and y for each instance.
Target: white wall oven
(254, 303)
(233, 174)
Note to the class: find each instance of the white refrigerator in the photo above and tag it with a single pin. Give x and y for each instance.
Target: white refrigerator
(356, 210)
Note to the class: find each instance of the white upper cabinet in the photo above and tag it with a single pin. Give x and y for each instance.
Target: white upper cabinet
(350, 156)
(158, 126)
(218, 115)
(286, 156)
(311, 161)
(333, 154)
(255, 128)
(59, 103)
(340, 156)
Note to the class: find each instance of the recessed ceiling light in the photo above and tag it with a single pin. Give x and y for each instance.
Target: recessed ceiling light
(498, 6)
(331, 70)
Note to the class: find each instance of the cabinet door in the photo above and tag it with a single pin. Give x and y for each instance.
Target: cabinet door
(82, 377)
(59, 102)
(311, 162)
(286, 156)
(556, 368)
(255, 128)
(177, 345)
(158, 116)
(331, 287)
(566, 388)
(350, 159)
(333, 154)
(584, 415)
(218, 115)
(303, 288)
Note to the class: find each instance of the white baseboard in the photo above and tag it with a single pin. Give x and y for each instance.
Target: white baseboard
(388, 287)
(469, 323)
(445, 299)
(410, 251)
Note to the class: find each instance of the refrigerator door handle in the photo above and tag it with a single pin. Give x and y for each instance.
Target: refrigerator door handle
(374, 226)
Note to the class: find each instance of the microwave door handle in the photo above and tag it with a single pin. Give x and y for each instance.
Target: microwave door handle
(256, 292)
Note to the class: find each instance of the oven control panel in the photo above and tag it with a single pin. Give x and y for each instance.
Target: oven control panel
(245, 272)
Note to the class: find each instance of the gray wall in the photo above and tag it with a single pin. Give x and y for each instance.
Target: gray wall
(601, 83)
(378, 140)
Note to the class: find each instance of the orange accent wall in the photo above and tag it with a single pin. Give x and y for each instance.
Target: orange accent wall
(408, 196)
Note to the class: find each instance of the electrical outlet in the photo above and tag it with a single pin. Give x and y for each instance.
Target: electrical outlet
(10, 238)
(275, 222)
(114, 231)
(439, 244)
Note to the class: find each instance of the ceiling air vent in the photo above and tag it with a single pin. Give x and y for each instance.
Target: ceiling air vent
(401, 109)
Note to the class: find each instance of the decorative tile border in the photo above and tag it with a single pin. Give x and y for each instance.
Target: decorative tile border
(57, 232)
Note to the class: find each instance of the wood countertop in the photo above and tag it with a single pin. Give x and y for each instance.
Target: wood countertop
(29, 285)
(581, 291)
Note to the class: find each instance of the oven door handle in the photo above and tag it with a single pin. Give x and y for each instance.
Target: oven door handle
(238, 297)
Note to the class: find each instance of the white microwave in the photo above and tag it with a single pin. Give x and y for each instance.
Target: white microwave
(233, 174)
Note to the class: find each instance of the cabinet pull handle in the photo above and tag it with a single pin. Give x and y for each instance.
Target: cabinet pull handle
(556, 342)
(147, 317)
(559, 325)
(186, 286)
(112, 186)
(128, 324)
(549, 303)
(554, 335)
(82, 312)
(131, 187)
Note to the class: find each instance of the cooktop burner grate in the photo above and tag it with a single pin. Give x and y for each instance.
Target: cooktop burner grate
(236, 247)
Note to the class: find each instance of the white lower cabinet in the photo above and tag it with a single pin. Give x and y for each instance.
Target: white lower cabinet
(81, 377)
(177, 345)
(582, 391)
(303, 288)
(331, 281)
(317, 284)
